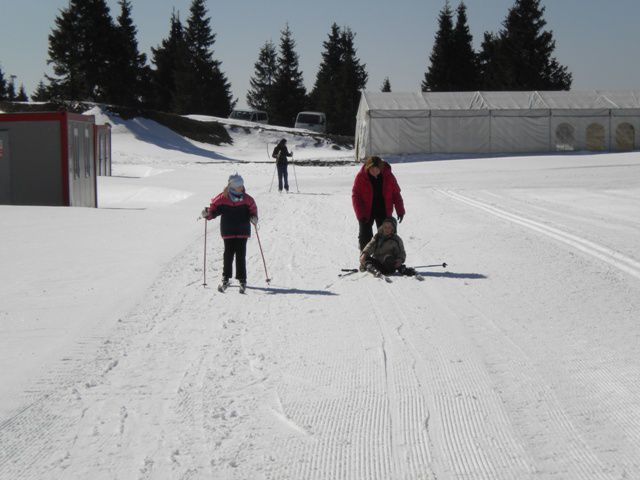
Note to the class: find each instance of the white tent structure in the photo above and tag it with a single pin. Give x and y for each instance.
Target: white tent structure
(497, 122)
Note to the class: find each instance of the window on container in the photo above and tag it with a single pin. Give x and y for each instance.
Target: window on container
(565, 138)
(76, 153)
(596, 137)
(625, 137)
(88, 154)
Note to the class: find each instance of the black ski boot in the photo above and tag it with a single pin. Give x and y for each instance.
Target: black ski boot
(408, 271)
(223, 285)
(373, 270)
(243, 287)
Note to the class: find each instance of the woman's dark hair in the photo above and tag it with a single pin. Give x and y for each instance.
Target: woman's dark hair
(373, 161)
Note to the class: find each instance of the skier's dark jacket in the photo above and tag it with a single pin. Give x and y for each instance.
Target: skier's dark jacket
(379, 247)
(234, 216)
(362, 193)
(280, 153)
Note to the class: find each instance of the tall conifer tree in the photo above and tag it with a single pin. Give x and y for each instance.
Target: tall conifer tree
(493, 75)
(352, 79)
(41, 94)
(172, 68)
(80, 50)
(464, 64)
(520, 56)
(439, 76)
(528, 48)
(3, 85)
(323, 96)
(260, 94)
(340, 79)
(289, 92)
(132, 80)
(22, 94)
(211, 91)
(386, 85)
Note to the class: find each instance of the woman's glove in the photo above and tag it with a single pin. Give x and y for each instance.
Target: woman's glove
(253, 219)
(205, 212)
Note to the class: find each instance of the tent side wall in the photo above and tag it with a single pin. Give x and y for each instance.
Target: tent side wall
(399, 132)
(497, 122)
(511, 131)
(459, 131)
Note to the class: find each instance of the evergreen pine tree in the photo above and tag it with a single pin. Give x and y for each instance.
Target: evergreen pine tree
(352, 79)
(386, 85)
(3, 86)
(289, 93)
(210, 89)
(132, 79)
(339, 81)
(493, 75)
(172, 68)
(260, 93)
(323, 96)
(526, 49)
(80, 49)
(11, 89)
(439, 76)
(22, 94)
(464, 64)
(41, 93)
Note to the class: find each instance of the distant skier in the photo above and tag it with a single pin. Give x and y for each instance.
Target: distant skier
(280, 153)
(385, 254)
(374, 195)
(237, 211)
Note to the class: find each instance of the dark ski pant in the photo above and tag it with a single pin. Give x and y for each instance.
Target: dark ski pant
(387, 270)
(283, 176)
(366, 230)
(235, 247)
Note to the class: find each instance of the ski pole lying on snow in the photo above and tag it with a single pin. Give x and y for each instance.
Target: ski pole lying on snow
(261, 253)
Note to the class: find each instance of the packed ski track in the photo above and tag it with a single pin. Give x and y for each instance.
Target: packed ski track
(519, 360)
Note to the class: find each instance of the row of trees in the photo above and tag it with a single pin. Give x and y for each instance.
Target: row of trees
(518, 57)
(96, 58)
(277, 85)
(8, 89)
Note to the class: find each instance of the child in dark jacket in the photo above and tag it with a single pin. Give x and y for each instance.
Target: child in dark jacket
(237, 211)
(384, 254)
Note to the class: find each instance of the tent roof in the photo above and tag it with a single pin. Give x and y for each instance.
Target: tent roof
(588, 99)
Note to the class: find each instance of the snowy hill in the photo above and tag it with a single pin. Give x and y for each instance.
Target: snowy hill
(520, 360)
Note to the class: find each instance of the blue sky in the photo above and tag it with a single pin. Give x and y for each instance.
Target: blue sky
(596, 39)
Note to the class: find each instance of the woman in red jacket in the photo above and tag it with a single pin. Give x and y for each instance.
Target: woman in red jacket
(375, 193)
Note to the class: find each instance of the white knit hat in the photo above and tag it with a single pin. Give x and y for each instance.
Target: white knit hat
(235, 181)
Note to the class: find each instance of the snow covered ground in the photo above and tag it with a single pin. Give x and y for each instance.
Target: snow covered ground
(520, 360)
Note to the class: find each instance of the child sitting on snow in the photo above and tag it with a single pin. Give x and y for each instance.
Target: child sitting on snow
(384, 254)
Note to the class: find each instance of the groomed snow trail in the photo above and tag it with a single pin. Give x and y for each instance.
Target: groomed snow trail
(514, 363)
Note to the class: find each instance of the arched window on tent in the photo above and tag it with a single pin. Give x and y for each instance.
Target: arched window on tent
(625, 137)
(565, 138)
(595, 137)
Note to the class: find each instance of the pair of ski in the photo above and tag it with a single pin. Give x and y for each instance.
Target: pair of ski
(378, 274)
(223, 287)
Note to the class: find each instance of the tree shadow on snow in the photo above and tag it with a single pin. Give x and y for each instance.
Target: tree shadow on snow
(152, 132)
(295, 291)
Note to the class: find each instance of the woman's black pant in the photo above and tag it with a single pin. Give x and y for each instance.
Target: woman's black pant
(283, 176)
(235, 247)
(366, 230)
